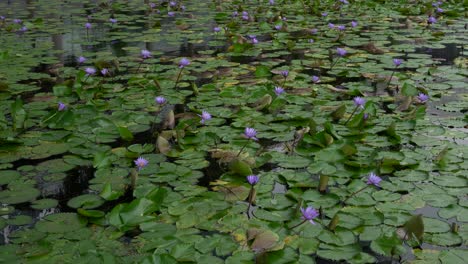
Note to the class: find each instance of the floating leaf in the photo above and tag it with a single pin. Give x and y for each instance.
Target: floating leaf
(414, 227)
(86, 201)
(61, 223)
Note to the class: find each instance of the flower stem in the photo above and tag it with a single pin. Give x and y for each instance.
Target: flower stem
(178, 78)
(354, 193)
(243, 147)
(355, 109)
(154, 123)
(299, 224)
(139, 65)
(390, 80)
(333, 65)
(50, 117)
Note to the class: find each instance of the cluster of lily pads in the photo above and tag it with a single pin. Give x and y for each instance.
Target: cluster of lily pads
(233, 132)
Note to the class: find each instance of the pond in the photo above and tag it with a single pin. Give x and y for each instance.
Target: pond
(269, 131)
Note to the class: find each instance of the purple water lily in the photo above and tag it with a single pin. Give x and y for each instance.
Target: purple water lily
(423, 97)
(315, 79)
(359, 101)
(309, 214)
(61, 106)
(88, 25)
(373, 179)
(90, 71)
(279, 90)
(341, 52)
(81, 59)
(252, 179)
(354, 24)
(184, 62)
(141, 163)
(397, 62)
(105, 71)
(205, 116)
(145, 54)
(250, 133)
(160, 100)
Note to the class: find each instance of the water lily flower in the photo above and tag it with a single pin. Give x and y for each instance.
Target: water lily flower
(90, 71)
(2, 18)
(88, 25)
(341, 27)
(324, 14)
(397, 62)
(182, 7)
(141, 163)
(354, 24)
(309, 214)
(23, 29)
(216, 29)
(344, 2)
(61, 106)
(272, 2)
(279, 90)
(250, 133)
(152, 5)
(423, 97)
(235, 14)
(254, 40)
(245, 17)
(183, 62)
(315, 79)
(205, 116)
(439, 10)
(284, 73)
(105, 71)
(81, 59)
(341, 52)
(113, 20)
(313, 31)
(431, 20)
(359, 101)
(373, 179)
(145, 54)
(17, 21)
(252, 179)
(160, 100)
(311, 40)
(331, 25)
(172, 3)
(278, 27)
(171, 13)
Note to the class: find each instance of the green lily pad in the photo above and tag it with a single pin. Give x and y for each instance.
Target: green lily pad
(20, 220)
(44, 204)
(86, 201)
(61, 223)
(17, 196)
(7, 176)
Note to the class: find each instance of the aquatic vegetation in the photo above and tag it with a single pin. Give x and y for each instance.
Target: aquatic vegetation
(233, 131)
